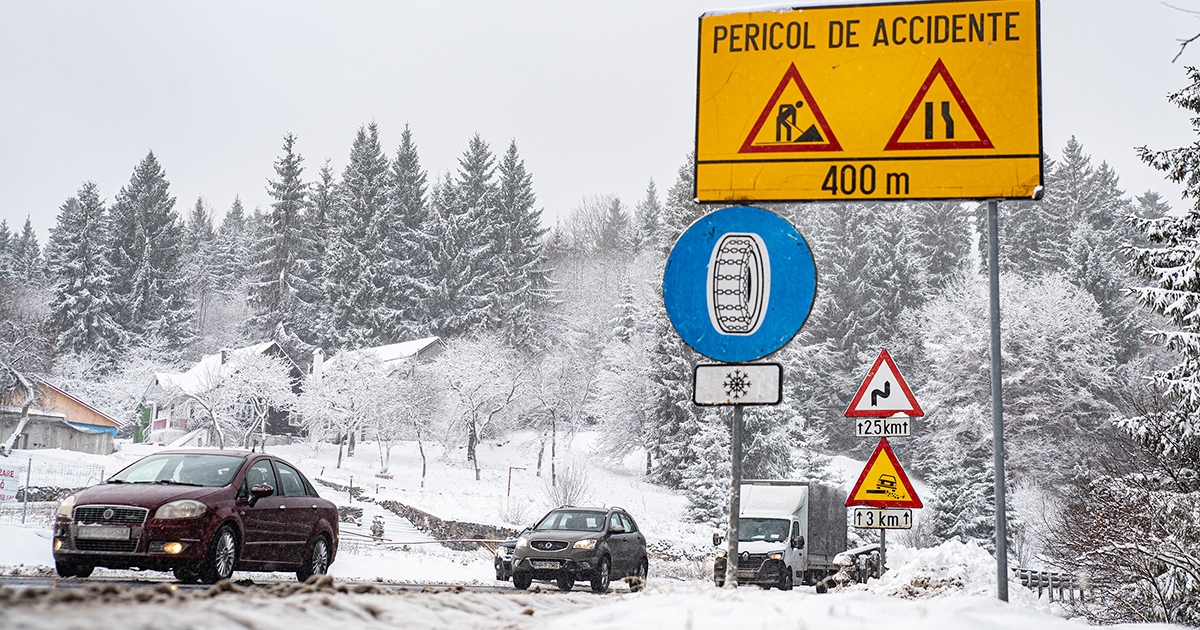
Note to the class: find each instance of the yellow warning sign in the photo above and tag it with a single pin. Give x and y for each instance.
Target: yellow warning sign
(883, 482)
(929, 100)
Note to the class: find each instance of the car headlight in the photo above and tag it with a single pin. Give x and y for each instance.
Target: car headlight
(778, 555)
(586, 543)
(184, 508)
(721, 553)
(67, 507)
(522, 543)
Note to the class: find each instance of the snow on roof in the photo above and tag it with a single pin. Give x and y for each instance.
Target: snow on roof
(199, 378)
(386, 356)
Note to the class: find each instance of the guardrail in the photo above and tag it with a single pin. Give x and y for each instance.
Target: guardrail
(1061, 587)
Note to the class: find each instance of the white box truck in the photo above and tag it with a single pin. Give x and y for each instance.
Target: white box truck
(789, 533)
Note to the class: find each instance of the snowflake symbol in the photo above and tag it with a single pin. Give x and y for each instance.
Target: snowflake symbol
(737, 384)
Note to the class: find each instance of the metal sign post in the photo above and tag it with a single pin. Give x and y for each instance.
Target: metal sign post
(997, 400)
(735, 500)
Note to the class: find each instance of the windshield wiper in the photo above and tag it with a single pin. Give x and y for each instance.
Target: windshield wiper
(172, 482)
(115, 481)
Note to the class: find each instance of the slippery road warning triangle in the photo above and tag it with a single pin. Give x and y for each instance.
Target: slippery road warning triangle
(883, 483)
(936, 128)
(797, 122)
(883, 393)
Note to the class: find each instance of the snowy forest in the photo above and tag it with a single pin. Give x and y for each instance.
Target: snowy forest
(559, 328)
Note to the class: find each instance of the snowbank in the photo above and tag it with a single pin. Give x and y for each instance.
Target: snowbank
(950, 569)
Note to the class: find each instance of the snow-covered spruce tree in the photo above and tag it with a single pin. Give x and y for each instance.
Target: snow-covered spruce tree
(616, 230)
(941, 243)
(465, 274)
(232, 250)
(680, 207)
(353, 253)
(199, 259)
(25, 255)
(151, 291)
(524, 292)
(669, 410)
(404, 245)
(1145, 512)
(707, 477)
(647, 219)
(285, 289)
(6, 266)
(81, 307)
(767, 445)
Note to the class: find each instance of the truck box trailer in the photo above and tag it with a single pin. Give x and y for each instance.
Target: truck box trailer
(789, 533)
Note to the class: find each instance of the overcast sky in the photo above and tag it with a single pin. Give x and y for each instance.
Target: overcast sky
(600, 96)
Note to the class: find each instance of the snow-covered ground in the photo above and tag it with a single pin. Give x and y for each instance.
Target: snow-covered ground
(951, 586)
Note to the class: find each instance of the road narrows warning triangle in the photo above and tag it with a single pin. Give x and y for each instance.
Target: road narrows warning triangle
(883, 393)
(883, 483)
(790, 135)
(939, 70)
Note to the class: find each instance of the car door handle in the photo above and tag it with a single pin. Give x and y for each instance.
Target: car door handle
(283, 507)
(314, 506)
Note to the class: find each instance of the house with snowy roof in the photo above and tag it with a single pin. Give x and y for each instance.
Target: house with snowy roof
(391, 358)
(170, 414)
(56, 419)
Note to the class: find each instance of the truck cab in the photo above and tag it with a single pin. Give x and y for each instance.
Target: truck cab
(778, 524)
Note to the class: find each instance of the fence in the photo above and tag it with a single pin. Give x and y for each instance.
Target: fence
(32, 485)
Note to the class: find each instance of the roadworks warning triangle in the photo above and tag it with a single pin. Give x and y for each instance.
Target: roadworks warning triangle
(935, 126)
(796, 123)
(883, 393)
(883, 483)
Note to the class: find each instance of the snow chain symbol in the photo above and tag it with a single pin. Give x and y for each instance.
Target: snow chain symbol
(739, 284)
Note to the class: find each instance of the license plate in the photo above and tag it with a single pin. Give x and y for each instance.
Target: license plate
(747, 574)
(102, 532)
(544, 564)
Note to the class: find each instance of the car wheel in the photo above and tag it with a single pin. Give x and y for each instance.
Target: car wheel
(565, 582)
(638, 581)
(785, 579)
(522, 580)
(187, 575)
(70, 569)
(318, 560)
(222, 557)
(600, 578)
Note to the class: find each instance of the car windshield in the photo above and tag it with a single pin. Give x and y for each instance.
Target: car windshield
(762, 529)
(187, 470)
(572, 520)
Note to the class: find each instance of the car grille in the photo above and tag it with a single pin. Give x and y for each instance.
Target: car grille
(121, 515)
(549, 545)
(110, 546)
(751, 562)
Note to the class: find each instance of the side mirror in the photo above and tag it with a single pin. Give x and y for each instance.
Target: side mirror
(617, 528)
(258, 491)
(718, 538)
(798, 542)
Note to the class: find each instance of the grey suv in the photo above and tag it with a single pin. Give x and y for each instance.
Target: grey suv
(570, 543)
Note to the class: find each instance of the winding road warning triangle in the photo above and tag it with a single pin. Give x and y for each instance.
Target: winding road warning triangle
(883, 393)
(938, 122)
(797, 122)
(883, 483)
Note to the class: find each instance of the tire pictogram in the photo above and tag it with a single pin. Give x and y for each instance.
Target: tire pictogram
(739, 283)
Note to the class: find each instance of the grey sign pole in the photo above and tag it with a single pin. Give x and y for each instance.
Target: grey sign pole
(735, 499)
(997, 402)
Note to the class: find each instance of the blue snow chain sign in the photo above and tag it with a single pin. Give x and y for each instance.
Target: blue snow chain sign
(739, 284)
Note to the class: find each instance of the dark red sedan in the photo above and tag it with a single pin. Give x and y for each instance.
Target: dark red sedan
(201, 514)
